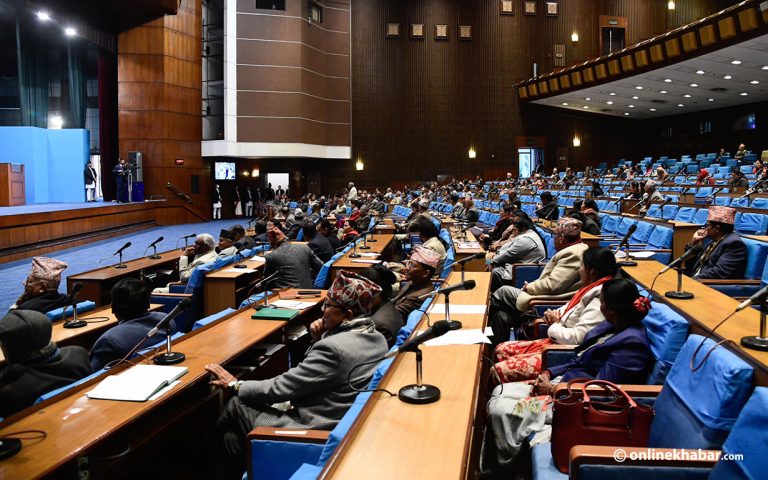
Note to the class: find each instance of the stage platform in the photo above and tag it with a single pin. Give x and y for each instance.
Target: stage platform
(31, 230)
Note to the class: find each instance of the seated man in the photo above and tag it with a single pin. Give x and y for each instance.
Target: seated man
(41, 288)
(317, 388)
(560, 276)
(35, 364)
(295, 262)
(524, 246)
(738, 179)
(548, 209)
(298, 223)
(130, 304)
(725, 257)
(385, 316)
(260, 228)
(319, 245)
(241, 239)
(194, 256)
(470, 213)
(651, 195)
(226, 245)
(328, 230)
(418, 275)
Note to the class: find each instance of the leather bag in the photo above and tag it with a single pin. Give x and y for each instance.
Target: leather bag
(578, 419)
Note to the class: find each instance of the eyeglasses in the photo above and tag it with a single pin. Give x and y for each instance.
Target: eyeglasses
(328, 304)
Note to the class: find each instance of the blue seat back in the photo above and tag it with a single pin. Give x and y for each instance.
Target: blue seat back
(74, 384)
(757, 252)
(323, 278)
(754, 223)
(685, 214)
(761, 203)
(610, 224)
(63, 312)
(667, 331)
(700, 218)
(698, 409)
(624, 225)
(642, 233)
(212, 318)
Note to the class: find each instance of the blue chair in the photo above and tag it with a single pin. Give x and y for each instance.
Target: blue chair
(753, 223)
(685, 214)
(212, 318)
(700, 218)
(740, 202)
(642, 233)
(64, 312)
(740, 288)
(74, 384)
(761, 203)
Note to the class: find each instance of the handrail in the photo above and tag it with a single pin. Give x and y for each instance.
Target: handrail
(178, 192)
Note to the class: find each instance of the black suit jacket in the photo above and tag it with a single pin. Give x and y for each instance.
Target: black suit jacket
(322, 247)
(727, 261)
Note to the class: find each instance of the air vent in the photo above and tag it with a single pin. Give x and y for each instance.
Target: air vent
(719, 89)
(658, 101)
(606, 110)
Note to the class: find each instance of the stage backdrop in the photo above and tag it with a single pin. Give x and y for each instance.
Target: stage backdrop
(54, 161)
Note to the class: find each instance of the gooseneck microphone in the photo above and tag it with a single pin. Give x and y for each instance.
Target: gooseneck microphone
(439, 328)
(465, 285)
(127, 244)
(758, 297)
(169, 357)
(690, 253)
(120, 263)
(153, 246)
(74, 322)
(163, 324)
(625, 242)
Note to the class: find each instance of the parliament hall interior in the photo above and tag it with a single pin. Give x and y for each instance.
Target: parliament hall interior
(384, 239)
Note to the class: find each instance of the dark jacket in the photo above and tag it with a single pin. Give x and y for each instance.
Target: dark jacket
(623, 358)
(90, 175)
(472, 215)
(407, 299)
(549, 211)
(727, 261)
(22, 383)
(116, 342)
(295, 262)
(334, 241)
(322, 248)
(245, 242)
(388, 322)
(50, 300)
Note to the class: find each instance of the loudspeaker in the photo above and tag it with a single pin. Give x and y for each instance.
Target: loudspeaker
(195, 186)
(136, 158)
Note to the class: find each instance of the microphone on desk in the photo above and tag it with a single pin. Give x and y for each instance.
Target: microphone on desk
(439, 328)
(625, 242)
(74, 322)
(169, 357)
(465, 285)
(758, 297)
(475, 256)
(691, 252)
(753, 189)
(661, 207)
(715, 192)
(127, 244)
(153, 246)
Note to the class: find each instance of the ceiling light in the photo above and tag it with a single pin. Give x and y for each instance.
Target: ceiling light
(736, 62)
(765, 67)
(754, 82)
(639, 87)
(565, 104)
(671, 5)
(743, 94)
(727, 77)
(626, 114)
(43, 16)
(667, 80)
(635, 98)
(631, 106)
(662, 91)
(70, 32)
(609, 102)
(585, 107)
(587, 99)
(652, 109)
(359, 165)
(700, 72)
(612, 94)
(687, 96)
(694, 85)
(710, 99)
(680, 105)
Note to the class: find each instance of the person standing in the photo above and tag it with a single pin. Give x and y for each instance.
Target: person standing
(90, 182)
(238, 203)
(216, 199)
(121, 180)
(352, 193)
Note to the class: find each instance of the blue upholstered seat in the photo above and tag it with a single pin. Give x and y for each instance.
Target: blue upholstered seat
(754, 223)
(63, 312)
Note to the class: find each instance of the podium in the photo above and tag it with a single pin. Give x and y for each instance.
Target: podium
(12, 185)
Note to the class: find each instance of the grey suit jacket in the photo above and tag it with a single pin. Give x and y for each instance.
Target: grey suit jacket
(317, 387)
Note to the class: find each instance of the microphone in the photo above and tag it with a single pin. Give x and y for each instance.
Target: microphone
(691, 252)
(154, 255)
(127, 244)
(465, 285)
(191, 235)
(177, 310)
(156, 242)
(661, 207)
(470, 258)
(439, 328)
(715, 192)
(629, 233)
(758, 297)
(74, 322)
(637, 205)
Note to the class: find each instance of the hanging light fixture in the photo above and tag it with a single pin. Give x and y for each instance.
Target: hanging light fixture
(359, 165)
(472, 153)
(671, 5)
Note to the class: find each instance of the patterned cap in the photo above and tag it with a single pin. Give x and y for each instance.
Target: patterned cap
(354, 292)
(568, 226)
(722, 215)
(47, 270)
(228, 234)
(426, 256)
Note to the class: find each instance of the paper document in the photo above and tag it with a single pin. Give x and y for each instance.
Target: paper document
(370, 255)
(293, 304)
(439, 309)
(458, 337)
(639, 254)
(467, 245)
(370, 262)
(240, 270)
(137, 384)
(257, 258)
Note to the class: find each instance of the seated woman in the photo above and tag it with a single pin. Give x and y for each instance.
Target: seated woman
(616, 350)
(41, 288)
(568, 325)
(350, 231)
(525, 246)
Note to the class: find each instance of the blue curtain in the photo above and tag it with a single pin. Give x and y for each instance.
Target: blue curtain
(77, 93)
(32, 57)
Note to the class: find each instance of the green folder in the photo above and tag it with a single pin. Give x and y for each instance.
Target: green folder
(275, 314)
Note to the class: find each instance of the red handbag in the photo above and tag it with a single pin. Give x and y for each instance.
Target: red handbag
(579, 420)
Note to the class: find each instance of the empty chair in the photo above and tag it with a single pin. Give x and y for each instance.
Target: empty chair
(761, 203)
(754, 223)
(700, 218)
(685, 214)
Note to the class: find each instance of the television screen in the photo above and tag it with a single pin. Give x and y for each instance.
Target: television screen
(745, 122)
(224, 170)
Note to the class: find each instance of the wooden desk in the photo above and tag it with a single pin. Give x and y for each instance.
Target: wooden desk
(477, 265)
(387, 226)
(98, 283)
(228, 286)
(705, 310)
(77, 425)
(588, 238)
(391, 439)
(382, 246)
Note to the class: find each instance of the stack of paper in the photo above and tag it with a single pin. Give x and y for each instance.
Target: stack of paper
(467, 245)
(371, 262)
(138, 383)
(459, 337)
(293, 304)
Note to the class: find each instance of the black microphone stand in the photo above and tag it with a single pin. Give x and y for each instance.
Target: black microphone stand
(759, 342)
(365, 242)
(354, 253)
(419, 393)
(455, 325)
(75, 323)
(120, 263)
(679, 294)
(154, 255)
(626, 262)
(372, 240)
(169, 357)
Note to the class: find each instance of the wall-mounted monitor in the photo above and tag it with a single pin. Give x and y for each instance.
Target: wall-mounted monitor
(745, 122)
(224, 170)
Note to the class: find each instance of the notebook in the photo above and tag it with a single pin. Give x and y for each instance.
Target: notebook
(138, 383)
(274, 314)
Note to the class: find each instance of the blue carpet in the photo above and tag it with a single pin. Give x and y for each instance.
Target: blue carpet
(84, 258)
(51, 207)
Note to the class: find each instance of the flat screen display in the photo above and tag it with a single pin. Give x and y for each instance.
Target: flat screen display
(224, 170)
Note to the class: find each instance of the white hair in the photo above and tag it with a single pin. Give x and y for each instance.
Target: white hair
(207, 239)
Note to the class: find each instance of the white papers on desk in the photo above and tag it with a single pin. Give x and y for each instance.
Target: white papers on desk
(439, 309)
(467, 245)
(459, 337)
(640, 254)
(137, 384)
(293, 304)
(370, 262)
(240, 270)
(370, 255)
(257, 258)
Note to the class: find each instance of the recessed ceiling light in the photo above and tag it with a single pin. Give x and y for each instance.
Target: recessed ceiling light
(639, 87)
(612, 94)
(687, 96)
(626, 114)
(710, 99)
(743, 94)
(668, 80)
(652, 109)
(754, 82)
(635, 98)
(736, 62)
(694, 85)
(700, 72)
(43, 16)
(585, 107)
(631, 106)
(609, 102)
(70, 32)
(680, 105)
(727, 77)
(565, 104)
(587, 99)
(765, 67)
(662, 91)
